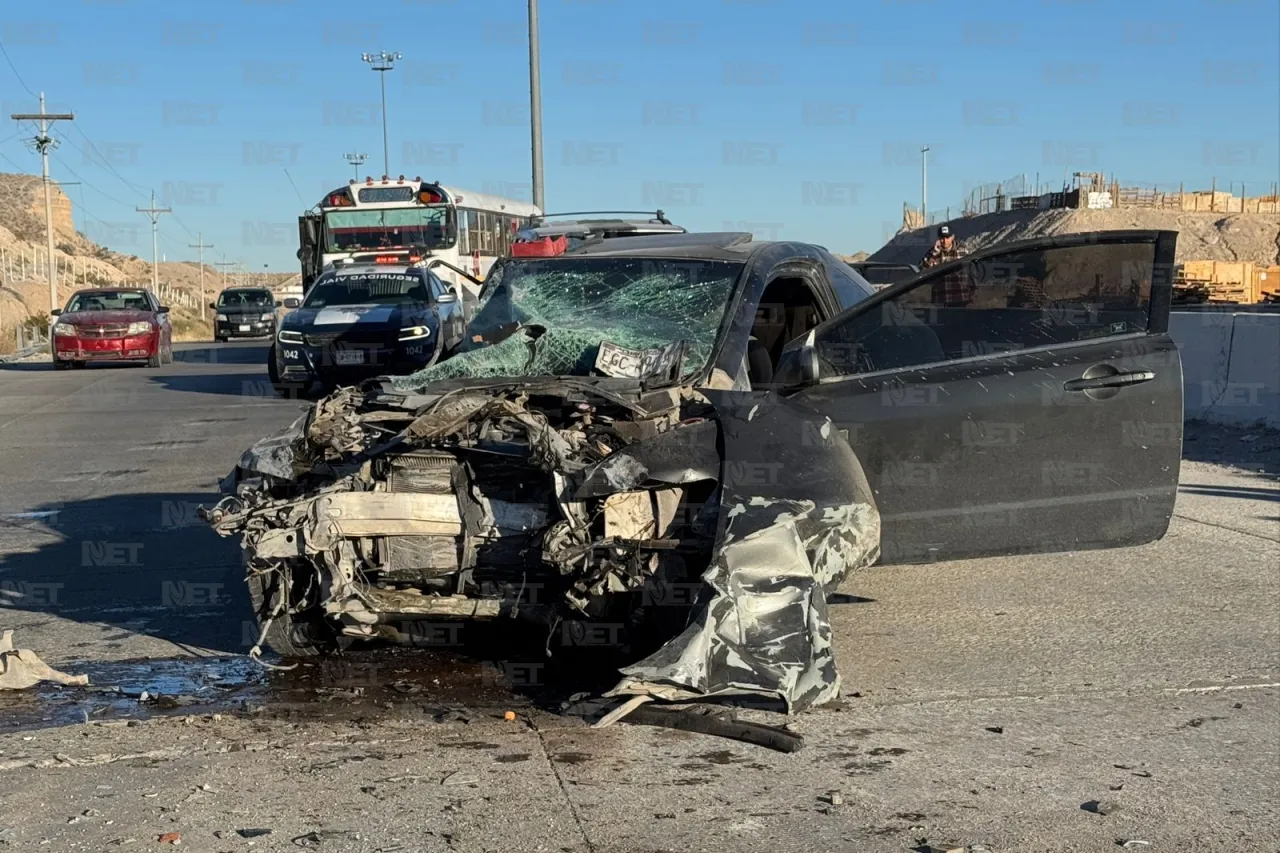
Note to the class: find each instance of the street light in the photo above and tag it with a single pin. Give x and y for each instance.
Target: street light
(356, 160)
(924, 186)
(535, 106)
(382, 62)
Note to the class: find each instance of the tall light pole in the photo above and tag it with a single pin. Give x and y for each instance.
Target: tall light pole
(535, 105)
(382, 62)
(924, 186)
(356, 161)
(43, 142)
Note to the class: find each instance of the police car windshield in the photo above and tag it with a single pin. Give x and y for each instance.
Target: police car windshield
(367, 289)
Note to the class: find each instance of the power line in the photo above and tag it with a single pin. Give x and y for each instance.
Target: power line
(91, 186)
(104, 161)
(15, 70)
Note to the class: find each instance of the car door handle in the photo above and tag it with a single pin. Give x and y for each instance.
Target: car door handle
(1115, 380)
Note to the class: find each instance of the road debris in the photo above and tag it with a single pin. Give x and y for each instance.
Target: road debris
(621, 711)
(1133, 842)
(170, 838)
(22, 668)
(997, 730)
(720, 723)
(833, 797)
(1101, 807)
(252, 833)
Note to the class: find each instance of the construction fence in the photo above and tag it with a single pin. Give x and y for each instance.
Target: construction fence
(1094, 191)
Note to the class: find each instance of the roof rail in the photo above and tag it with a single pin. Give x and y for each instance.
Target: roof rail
(657, 215)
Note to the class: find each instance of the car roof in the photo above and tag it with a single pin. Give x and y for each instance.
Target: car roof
(113, 289)
(244, 288)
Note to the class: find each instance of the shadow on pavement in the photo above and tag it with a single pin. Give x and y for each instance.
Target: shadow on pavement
(208, 353)
(224, 384)
(1246, 492)
(142, 562)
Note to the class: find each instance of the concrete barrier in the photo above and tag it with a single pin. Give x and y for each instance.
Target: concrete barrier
(1230, 366)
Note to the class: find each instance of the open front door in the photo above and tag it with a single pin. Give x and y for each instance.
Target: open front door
(310, 247)
(1024, 399)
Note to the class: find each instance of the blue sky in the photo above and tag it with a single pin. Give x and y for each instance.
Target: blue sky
(794, 119)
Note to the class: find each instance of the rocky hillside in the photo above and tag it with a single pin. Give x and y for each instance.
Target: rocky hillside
(1201, 236)
(22, 230)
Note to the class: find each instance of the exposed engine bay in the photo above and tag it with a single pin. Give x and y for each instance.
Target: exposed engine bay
(564, 501)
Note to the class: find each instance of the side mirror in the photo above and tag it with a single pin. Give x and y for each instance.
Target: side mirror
(55, 312)
(446, 298)
(213, 306)
(291, 302)
(798, 364)
(163, 309)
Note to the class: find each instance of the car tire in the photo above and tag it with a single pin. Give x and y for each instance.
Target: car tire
(61, 365)
(293, 635)
(158, 359)
(218, 339)
(77, 365)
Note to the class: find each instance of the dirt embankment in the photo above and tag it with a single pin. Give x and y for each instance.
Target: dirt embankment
(1201, 236)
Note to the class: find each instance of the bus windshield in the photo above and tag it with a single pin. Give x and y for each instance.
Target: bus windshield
(391, 228)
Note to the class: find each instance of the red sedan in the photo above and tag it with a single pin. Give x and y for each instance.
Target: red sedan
(117, 324)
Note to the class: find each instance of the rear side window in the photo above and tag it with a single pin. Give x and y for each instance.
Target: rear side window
(999, 304)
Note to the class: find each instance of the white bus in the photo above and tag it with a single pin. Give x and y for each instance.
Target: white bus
(401, 218)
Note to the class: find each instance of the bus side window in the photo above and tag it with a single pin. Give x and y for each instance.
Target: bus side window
(464, 245)
(473, 231)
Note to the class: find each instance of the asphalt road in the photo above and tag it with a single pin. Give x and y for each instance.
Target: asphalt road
(986, 700)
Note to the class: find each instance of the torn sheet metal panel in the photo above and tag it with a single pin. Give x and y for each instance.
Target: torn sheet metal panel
(764, 627)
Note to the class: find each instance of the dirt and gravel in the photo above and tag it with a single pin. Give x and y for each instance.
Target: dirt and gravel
(1251, 237)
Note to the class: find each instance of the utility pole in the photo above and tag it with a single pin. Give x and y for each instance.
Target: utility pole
(924, 185)
(224, 264)
(535, 106)
(153, 213)
(356, 160)
(382, 62)
(43, 142)
(201, 245)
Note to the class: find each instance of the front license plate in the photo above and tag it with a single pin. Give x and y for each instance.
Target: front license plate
(349, 356)
(244, 327)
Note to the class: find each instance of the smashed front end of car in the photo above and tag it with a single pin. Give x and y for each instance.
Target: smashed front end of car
(720, 520)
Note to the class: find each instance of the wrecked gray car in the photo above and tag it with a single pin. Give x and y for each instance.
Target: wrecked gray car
(657, 433)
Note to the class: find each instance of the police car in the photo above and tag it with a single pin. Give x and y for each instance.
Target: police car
(368, 316)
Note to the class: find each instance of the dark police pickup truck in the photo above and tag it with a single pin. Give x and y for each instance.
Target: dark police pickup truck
(363, 319)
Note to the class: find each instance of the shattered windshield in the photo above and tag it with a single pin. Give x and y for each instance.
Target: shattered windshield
(549, 317)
